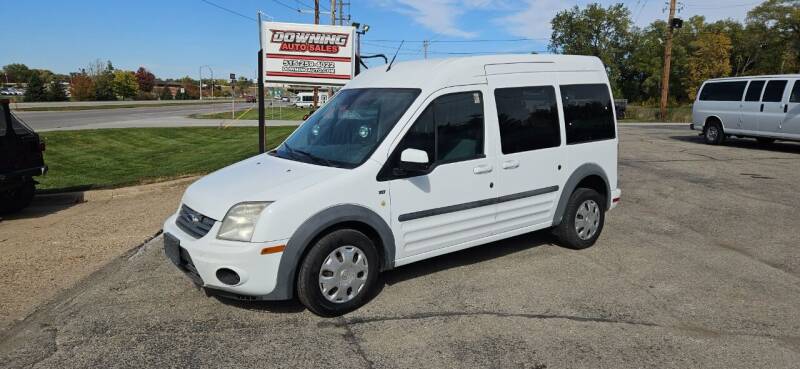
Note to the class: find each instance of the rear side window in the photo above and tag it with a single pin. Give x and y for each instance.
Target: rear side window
(754, 91)
(795, 96)
(723, 91)
(528, 118)
(450, 129)
(774, 91)
(588, 113)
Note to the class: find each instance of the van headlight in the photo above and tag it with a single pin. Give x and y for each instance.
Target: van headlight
(240, 221)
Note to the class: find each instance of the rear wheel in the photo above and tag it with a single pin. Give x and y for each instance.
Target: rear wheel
(17, 197)
(583, 219)
(713, 133)
(339, 273)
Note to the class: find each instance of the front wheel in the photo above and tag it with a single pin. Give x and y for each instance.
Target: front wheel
(583, 219)
(339, 273)
(17, 197)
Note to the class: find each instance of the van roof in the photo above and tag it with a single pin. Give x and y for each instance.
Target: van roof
(468, 70)
(766, 76)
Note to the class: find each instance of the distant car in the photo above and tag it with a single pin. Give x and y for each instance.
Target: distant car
(250, 99)
(5, 91)
(285, 99)
(277, 98)
(21, 159)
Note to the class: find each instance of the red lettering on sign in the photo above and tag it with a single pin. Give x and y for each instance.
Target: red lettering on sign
(326, 49)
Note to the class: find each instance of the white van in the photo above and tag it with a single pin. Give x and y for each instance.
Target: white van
(402, 165)
(306, 99)
(763, 107)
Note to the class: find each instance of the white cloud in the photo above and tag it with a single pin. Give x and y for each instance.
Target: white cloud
(439, 16)
(533, 21)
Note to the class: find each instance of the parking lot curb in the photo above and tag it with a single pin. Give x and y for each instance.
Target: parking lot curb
(76, 197)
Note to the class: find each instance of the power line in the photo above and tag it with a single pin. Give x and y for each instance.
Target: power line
(462, 41)
(229, 10)
(721, 6)
(287, 6)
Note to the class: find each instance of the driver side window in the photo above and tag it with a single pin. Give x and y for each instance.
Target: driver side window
(450, 129)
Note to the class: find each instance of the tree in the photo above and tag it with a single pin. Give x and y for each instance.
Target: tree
(104, 86)
(56, 91)
(775, 25)
(35, 90)
(165, 94)
(125, 84)
(594, 30)
(145, 79)
(710, 58)
(82, 87)
(16, 73)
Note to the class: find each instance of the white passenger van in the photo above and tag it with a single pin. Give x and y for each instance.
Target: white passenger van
(763, 107)
(424, 159)
(306, 99)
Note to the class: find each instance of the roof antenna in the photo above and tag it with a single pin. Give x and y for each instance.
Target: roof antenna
(395, 56)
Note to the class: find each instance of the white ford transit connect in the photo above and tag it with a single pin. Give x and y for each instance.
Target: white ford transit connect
(402, 165)
(763, 107)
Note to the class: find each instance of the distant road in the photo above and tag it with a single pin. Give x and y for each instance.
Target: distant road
(160, 116)
(106, 104)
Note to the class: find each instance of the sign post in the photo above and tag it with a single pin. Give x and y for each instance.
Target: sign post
(233, 96)
(261, 137)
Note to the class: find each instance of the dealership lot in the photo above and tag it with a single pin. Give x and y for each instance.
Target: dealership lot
(698, 267)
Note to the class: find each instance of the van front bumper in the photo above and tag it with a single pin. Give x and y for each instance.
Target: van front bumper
(203, 258)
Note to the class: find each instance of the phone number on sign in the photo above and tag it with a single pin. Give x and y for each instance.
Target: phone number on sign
(309, 66)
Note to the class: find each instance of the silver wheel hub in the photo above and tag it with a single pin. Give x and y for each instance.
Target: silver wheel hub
(343, 274)
(712, 133)
(587, 219)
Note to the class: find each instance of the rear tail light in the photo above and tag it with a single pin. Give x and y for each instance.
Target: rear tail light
(42, 146)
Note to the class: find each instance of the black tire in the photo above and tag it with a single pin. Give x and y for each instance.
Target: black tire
(713, 133)
(765, 140)
(308, 284)
(18, 197)
(567, 233)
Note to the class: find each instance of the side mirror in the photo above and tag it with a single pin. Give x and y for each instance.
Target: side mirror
(414, 161)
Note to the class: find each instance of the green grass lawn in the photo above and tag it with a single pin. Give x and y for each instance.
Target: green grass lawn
(116, 157)
(285, 113)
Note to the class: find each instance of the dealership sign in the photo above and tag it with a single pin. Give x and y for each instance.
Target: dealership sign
(308, 53)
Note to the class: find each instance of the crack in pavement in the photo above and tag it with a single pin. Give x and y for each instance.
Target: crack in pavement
(446, 314)
(351, 339)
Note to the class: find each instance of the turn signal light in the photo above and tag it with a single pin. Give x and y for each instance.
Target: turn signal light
(272, 249)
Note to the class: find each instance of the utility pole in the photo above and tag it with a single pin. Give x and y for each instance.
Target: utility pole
(425, 44)
(333, 23)
(667, 59)
(316, 21)
(341, 15)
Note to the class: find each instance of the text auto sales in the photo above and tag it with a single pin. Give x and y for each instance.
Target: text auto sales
(315, 42)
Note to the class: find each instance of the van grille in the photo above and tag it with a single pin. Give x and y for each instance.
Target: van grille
(193, 223)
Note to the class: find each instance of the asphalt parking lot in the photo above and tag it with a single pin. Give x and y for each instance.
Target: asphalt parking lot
(698, 267)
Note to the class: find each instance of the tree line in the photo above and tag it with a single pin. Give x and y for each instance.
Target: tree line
(101, 81)
(767, 42)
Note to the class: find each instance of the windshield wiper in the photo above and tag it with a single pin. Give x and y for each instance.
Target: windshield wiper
(310, 156)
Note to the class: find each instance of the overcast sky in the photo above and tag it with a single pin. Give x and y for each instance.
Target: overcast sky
(174, 38)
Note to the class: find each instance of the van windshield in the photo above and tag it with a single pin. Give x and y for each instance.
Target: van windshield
(346, 130)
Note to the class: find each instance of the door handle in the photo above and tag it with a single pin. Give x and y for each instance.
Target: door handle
(762, 107)
(480, 169)
(785, 108)
(510, 164)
